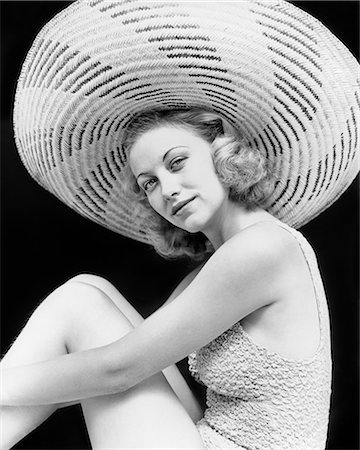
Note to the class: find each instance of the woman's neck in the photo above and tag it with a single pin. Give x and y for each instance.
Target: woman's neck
(233, 219)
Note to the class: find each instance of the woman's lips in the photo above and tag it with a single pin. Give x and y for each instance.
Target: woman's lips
(179, 206)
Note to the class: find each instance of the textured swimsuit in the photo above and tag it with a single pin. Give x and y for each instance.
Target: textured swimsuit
(259, 400)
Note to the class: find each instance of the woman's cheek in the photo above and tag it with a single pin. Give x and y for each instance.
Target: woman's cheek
(155, 203)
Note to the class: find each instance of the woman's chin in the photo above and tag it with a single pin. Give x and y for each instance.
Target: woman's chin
(191, 225)
(192, 229)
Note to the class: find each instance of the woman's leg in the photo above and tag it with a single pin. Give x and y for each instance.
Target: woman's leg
(77, 316)
(39, 340)
(147, 416)
(172, 373)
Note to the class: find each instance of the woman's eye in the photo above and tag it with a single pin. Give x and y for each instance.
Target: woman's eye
(148, 185)
(177, 163)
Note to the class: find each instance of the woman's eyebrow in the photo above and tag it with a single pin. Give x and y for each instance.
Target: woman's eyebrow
(173, 148)
(140, 174)
(164, 157)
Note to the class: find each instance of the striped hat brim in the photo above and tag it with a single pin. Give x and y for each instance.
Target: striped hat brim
(276, 73)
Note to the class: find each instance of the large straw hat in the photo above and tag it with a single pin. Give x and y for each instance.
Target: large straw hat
(275, 72)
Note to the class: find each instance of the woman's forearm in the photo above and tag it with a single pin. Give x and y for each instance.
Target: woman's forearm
(67, 378)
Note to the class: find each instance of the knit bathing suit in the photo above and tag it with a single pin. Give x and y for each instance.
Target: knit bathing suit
(259, 400)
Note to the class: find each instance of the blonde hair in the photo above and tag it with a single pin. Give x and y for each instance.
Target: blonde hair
(240, 168)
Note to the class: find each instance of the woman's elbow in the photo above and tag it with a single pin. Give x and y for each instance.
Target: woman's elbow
(116, 376)
(116, 381)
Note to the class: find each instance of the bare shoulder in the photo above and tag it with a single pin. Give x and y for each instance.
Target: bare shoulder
(260, 257)
(261, 262)
(264, 244)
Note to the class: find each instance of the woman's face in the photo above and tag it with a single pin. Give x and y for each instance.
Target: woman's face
(174, 167)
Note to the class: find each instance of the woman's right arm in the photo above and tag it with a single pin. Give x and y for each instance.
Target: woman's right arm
(241, 276)
(183, 284)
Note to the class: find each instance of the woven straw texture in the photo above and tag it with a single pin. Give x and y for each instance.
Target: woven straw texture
(275, 72)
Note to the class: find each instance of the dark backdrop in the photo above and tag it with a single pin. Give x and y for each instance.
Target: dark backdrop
(44, 242)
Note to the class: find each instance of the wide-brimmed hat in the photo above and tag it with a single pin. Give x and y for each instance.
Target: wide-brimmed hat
(276, 73)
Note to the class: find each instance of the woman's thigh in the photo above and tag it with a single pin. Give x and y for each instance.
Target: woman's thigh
(149, 415)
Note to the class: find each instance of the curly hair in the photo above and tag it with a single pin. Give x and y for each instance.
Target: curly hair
(240, 168)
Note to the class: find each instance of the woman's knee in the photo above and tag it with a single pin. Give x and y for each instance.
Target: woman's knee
(91, 316)
(101, 284)
(112, 293)
(84, 314)
(71, 297)
(93, 280)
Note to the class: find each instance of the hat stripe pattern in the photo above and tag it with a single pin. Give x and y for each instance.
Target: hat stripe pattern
(289, 105)
(275, 72)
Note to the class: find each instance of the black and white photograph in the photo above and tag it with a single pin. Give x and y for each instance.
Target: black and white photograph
(180, 224)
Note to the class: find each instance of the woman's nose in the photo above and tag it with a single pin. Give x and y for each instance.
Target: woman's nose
(170, 187)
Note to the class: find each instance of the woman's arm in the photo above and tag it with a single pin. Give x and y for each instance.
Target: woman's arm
(69, 377)
(242, 276)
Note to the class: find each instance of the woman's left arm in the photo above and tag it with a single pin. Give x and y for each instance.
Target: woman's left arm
(241, 276)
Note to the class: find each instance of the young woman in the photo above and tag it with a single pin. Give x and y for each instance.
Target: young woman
(254, 312)
(186, 168)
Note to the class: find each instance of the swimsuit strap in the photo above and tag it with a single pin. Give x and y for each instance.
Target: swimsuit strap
(312, 264)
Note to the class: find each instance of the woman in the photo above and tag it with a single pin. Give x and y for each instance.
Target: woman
(273, 271)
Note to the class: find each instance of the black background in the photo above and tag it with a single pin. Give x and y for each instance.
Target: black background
(44, 242)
